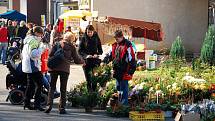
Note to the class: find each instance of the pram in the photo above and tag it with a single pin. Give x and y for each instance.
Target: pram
(16, 82)
(15, 48)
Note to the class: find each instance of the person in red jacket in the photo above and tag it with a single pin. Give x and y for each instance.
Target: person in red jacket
(3, 43)
(124, 64)
(44, 68)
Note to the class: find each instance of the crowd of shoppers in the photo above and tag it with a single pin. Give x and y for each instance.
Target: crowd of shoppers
(41, 44)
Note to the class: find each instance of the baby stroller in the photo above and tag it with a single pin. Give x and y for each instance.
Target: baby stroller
(14, 48)
(16, 82)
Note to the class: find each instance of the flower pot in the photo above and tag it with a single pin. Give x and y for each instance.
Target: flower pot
(168, 114)
(88, 109)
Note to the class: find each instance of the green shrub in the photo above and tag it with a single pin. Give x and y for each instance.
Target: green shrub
(208, 47)
(177, 50)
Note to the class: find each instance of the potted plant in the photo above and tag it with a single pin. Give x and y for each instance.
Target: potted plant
(101, 75)
(168, 109)
(152, 106)
(73, 96)
(89, 100)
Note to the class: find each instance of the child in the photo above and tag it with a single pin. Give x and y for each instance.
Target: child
(44, 67)
(13, 51)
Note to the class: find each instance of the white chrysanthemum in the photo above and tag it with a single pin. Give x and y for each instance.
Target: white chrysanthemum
(187, 74)
(151, 89)
(142, 84)
(199, 80)
(174, 84)
(140, 87)
(168, 86)
(158, 92)
(130, 82)
(188, 79)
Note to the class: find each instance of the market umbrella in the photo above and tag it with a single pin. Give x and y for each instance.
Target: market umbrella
(13, 15)
(75, 14)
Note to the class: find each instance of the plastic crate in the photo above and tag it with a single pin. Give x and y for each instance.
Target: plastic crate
(146, 116)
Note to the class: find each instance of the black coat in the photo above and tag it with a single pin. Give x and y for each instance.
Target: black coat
(90, 46)
(22, 31)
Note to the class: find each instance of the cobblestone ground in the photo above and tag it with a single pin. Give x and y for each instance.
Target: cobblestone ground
(10, 112)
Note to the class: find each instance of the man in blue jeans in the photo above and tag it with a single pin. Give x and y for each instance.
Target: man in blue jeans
(124, 64)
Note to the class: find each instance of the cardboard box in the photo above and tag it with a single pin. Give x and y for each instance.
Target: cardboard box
(187, 117)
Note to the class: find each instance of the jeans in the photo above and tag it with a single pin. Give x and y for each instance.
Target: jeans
(3, 51)
(63, 84)
(33, 79)
(122, 88)
(46, 81)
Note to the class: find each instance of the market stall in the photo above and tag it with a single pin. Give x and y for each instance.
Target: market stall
(76, 19)
(148, 30)
(139, 32)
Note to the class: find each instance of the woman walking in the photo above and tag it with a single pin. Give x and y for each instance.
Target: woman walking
(62, 70)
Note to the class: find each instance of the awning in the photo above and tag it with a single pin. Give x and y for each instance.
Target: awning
(13, 15)
(144, 29)
(75, 14)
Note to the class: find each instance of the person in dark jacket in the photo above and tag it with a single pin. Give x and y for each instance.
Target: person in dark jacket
(11, 30)
(22, 30)
(62, 70)
(47, 33)
(89, 48)
(55, 36)
(124, 64)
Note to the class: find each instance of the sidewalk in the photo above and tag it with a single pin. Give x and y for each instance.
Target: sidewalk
(10, 112)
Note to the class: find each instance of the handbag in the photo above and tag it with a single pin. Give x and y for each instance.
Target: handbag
(57, 58)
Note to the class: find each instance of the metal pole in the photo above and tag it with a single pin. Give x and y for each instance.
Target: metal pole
(91, 5)
(49, 11)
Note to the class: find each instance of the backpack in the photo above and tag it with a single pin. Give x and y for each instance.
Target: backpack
(57, 58)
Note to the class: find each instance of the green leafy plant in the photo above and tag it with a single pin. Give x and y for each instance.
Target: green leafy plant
(208, 47)
(74, 94)
(152, 106)
(106, 94)
(209, 116)
(122, 111)
(169, 106)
